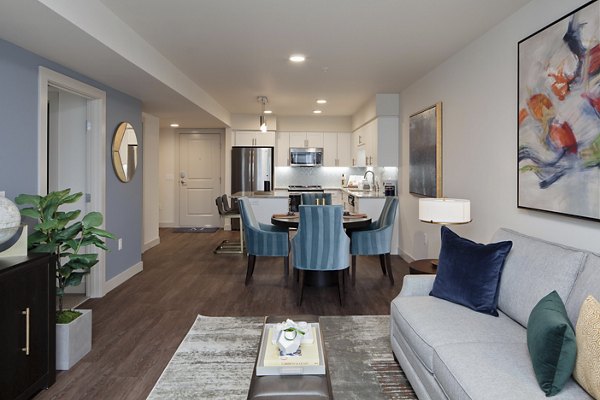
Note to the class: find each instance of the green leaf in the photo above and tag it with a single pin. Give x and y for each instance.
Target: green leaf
(70, 232)
(92, 220)
(28, 199)
(44, 248)
(30, 212)
(72, 198)
(48, 225)
(87, 259)
(103, 233)
(74, 279)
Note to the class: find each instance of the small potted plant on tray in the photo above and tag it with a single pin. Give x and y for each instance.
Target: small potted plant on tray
(70, 239)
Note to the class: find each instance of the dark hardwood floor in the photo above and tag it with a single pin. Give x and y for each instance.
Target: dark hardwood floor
(138, 326)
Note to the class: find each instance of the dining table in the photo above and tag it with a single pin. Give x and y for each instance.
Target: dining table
(351, 221)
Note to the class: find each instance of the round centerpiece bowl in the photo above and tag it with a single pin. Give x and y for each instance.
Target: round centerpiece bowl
(10, 219)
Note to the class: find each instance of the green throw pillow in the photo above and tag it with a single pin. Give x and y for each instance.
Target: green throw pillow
(551, 343)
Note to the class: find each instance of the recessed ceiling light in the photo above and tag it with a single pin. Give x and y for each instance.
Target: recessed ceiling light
(321, 101)
(317, 111)
(174, 125)
(297, 58)
(267, 112)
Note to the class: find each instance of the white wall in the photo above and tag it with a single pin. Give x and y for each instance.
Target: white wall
(478, 88)
(150, 237)
(168, 178)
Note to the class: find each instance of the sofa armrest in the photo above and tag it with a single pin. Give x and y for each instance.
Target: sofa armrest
(417, 285)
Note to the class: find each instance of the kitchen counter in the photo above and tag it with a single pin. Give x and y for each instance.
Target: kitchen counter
(277, 193)
(364, 193)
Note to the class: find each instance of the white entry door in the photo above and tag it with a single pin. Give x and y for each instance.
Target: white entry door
(68, 151)
(199, 179)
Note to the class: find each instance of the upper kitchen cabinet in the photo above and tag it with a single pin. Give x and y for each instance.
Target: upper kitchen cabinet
(306, 139)
(255, 138)
(376, 143)
(283, 149)
(337, 149)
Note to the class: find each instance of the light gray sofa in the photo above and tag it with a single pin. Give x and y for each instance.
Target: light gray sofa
(451, 352)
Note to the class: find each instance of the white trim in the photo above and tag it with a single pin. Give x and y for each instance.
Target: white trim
(96, 108)
(151, 244)
(123, 277)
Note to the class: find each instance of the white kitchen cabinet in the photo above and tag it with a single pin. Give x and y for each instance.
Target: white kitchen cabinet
(337, 149)
(254, 138)
(344, 149)
(283, 149)
(330, 143)
(265, 207)
(376, 143)
(306, 139)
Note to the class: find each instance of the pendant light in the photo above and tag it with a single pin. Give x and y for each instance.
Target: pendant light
(262, 120)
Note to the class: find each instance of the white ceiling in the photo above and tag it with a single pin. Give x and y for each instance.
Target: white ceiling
(235, 50)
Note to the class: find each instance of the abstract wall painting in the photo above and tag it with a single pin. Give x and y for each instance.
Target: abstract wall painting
(425, 152)
(559, 116)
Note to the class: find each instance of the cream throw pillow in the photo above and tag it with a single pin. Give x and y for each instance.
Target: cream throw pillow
(587, 336)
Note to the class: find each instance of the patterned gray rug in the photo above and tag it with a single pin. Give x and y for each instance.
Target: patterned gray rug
(216, 360)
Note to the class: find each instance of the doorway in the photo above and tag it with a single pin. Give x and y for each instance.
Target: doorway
(72, 149)
(199, 179)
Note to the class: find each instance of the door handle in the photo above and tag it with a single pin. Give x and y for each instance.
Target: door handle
(26, 314)
(183, 182)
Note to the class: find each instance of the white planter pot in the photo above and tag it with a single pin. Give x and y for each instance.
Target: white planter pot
(73, 340)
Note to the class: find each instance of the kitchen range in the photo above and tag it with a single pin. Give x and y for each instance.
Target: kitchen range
(296, 194)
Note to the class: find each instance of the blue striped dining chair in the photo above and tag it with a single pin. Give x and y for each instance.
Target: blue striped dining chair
(310, 199)
(376, 240)
(263, 239)
(321, 245)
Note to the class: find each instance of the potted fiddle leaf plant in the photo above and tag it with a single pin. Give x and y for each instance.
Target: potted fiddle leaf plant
(70, 239)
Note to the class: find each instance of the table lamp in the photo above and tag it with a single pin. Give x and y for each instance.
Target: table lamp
(444, 211)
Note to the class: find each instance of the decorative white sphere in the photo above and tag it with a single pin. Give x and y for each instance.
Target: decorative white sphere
(10, 219)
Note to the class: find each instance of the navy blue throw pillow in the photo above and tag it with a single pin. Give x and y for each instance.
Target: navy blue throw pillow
(469, 273)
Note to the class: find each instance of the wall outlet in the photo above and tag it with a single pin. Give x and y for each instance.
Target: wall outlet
(120, 244)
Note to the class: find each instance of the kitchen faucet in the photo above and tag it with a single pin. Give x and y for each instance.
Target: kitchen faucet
(371, 187)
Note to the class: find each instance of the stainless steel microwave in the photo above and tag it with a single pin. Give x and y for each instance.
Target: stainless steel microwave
(306, 157)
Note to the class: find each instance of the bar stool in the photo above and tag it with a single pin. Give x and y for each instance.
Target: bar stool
(229, 246)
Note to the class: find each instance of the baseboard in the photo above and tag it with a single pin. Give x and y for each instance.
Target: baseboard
(123, 277)
(405, 256)
(151, 244)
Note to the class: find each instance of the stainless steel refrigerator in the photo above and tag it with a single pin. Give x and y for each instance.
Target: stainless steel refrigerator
(251, 169)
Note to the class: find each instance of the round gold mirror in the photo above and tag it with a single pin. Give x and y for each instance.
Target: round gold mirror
(124, 151)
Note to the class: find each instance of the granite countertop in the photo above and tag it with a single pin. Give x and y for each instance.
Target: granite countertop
(277, 193)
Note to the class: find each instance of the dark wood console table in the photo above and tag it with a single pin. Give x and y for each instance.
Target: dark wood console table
(27, 325)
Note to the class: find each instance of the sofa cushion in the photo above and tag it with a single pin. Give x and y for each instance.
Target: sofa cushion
(587, 283)
(468, 272)
(427, 322)
(551, 343)
(492, 371)
(587, 367)
(534, 268)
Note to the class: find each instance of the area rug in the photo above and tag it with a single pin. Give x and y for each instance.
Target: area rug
(216, 360)
(196, 229)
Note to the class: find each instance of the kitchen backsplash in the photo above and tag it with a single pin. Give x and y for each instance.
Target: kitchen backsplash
(328, 177)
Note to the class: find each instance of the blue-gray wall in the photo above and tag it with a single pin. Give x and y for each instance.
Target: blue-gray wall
(18, 148)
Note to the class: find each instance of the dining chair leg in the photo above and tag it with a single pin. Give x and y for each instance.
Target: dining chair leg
(286, 269)
(382, 263)
(341, 286)
(296, 276)
(353, 270)
(388, 262)
(301, 286)
(250, 270)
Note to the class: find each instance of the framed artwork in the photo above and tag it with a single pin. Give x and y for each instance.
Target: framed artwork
(559, 116)
(425, 152)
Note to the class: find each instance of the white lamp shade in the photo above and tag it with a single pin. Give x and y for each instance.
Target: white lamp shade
(445, 211)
